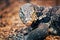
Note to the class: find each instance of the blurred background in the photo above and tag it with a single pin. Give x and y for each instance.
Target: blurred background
(9, 17)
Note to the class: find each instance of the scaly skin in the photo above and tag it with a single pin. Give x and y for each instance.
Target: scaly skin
(40, 26)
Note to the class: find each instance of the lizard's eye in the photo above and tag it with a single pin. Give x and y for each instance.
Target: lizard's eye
(39, 14)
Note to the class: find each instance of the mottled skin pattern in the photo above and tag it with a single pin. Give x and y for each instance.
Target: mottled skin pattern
(41, 25)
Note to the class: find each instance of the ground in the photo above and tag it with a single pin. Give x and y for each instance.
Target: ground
(9, 19)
